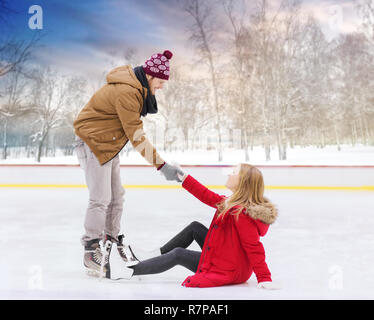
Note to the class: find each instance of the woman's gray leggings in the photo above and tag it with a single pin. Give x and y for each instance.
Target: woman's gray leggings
(175, 253)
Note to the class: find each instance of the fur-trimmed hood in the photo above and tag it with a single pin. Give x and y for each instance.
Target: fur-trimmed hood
(263, 215)
(265, 212)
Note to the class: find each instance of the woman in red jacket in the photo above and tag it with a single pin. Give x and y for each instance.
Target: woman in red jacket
(231, 247)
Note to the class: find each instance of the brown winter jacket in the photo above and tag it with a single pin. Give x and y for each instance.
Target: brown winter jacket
(112, 117)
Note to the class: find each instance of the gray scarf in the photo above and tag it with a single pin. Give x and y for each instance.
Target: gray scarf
(150, 103)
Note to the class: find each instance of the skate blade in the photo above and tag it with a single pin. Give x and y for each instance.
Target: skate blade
(119, 279)
(94, 273)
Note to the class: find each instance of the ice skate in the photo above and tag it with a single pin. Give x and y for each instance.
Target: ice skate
(126, 252)
(96, 258)
(142, 255)
(118, 268)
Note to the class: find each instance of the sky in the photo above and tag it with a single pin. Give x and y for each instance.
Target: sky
(82, 35)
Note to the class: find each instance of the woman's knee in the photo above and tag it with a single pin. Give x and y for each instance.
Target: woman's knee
(195, 225)
(187, 258)
(177, 253)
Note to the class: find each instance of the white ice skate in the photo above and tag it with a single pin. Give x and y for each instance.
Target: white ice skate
(118, 268)
(142, 255)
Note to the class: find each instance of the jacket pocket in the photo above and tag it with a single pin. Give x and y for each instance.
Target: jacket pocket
(112, 136)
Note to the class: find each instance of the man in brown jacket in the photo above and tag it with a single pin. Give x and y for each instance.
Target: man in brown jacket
(109, 120)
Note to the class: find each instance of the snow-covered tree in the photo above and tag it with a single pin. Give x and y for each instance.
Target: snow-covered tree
(49, 95)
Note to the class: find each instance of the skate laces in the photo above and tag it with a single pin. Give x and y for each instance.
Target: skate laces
(98, 254)
(126, 252)
(122, 249)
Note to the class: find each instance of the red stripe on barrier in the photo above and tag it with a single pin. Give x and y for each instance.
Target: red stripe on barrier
(195, 166)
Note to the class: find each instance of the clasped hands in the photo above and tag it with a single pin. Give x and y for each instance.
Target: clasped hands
(172, 172)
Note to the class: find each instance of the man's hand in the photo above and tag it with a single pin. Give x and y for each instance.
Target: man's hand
(171, 172)
(181, 175)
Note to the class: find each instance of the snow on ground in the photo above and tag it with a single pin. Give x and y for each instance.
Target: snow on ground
(320, 248)
(359, 155)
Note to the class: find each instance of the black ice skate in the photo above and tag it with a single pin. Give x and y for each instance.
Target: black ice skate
(96, 258)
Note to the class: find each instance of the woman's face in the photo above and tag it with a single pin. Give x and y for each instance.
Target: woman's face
(233, 178)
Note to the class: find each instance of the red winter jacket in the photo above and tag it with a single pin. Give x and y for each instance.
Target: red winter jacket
(232, 248)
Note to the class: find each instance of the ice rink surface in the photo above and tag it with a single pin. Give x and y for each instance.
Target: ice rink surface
(321, 247)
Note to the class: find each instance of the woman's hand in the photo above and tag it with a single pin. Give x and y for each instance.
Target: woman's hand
(183, 177)
(269, 285)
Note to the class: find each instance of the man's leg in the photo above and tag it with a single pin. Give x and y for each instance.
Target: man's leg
(98, 179)
(115, 208)
(114, 214)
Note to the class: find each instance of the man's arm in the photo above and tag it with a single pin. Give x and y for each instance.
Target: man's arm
(127, 107)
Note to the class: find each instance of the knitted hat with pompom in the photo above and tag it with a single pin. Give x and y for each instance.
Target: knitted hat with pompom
(158, 65)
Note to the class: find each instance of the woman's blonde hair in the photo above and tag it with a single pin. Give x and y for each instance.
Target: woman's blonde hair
(250, 190)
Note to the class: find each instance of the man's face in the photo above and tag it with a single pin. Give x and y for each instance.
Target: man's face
(155, 84)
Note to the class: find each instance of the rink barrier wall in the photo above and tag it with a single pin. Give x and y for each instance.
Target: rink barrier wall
(193, 166)
(277, 177)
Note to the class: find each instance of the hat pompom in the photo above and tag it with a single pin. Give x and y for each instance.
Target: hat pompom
(168, 54)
